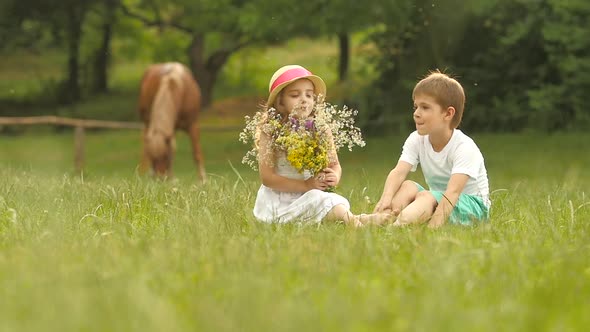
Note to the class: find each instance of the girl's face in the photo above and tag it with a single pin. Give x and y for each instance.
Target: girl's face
(429, 116)
(297, 98)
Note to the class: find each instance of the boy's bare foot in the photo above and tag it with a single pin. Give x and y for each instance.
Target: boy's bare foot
(379, 218)
(355, 222)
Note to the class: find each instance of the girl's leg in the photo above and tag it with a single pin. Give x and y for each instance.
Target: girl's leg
(419, 211)
(379, 218)
(341, 213)
(404, 196)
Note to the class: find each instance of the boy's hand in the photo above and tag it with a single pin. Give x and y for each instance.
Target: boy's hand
(383, 206)
(436, 221)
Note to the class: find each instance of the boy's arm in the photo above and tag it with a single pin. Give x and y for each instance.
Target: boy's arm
(271, 179)
(392, 184)
(449, 200)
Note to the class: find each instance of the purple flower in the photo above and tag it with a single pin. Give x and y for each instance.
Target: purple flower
(310, 125)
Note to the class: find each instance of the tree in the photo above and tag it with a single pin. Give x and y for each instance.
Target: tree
(102, 54)
(532, 66)
(67, 17)
(216, 29)
(566, 34)
(341, 18)
(395, 37)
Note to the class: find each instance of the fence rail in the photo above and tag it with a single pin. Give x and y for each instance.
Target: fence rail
(61, 121)
(80, 125)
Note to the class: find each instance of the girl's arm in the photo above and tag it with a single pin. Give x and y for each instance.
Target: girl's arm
(271, 179)
(333, 173)
(449, 200)
(392, 184)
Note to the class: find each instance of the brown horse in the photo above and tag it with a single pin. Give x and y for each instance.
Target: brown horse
(170, 99)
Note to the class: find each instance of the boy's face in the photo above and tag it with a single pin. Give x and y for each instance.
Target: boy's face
(430, 117)
(298, 98)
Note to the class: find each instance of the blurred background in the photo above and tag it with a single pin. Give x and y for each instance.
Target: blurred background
(525, 64)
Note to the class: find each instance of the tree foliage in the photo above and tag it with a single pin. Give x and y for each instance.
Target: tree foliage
(524, 63)
(216, 29)
(68, 24)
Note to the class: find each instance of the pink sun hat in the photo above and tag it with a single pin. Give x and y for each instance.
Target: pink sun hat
(289, 74)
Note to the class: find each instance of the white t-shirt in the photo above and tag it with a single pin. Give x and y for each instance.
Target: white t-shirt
(460, 156)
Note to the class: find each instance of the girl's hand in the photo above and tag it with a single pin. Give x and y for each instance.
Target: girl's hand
(316, 182)
(330, 177)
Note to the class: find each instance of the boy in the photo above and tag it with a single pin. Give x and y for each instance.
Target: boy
(452, 164)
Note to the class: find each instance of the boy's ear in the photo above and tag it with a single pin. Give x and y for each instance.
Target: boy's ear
(450, 112)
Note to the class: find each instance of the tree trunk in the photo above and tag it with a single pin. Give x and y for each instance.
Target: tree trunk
(344, 43)
(207, 70)
(71, 92)
(102, 56)
(198, 67)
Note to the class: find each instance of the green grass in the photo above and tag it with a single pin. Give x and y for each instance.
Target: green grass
(114, 251)
(25, 74)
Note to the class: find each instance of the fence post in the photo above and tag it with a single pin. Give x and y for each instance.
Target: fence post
(79, 148)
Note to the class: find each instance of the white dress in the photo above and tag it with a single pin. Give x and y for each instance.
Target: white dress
(282, 207)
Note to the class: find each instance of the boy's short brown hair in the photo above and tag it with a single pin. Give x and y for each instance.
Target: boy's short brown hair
(447, 92)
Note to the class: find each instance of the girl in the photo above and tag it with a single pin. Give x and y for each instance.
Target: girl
(286, 194)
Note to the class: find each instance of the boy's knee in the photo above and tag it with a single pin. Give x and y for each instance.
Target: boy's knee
(408, 190)
(426, 196)
(404, 218)
(427, 200)
(409, 185)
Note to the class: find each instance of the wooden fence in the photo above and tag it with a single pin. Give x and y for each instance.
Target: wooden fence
(80, 125)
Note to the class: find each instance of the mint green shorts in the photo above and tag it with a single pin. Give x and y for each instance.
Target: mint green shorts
(468, 208)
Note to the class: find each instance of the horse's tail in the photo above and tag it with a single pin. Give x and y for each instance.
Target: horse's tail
(160, 133)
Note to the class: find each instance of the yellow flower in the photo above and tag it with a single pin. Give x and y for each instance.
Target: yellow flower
(306, 142)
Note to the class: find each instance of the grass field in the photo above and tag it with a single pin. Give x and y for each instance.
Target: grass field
(110, 250)
(114, 251)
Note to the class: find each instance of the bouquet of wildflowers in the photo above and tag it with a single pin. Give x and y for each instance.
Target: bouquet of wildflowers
(309, 143)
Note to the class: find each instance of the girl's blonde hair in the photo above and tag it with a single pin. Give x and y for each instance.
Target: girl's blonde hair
(445, 90)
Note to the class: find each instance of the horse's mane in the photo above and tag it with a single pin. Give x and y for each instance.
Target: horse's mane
(160, 133)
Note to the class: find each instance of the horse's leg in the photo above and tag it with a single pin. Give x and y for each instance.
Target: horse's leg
(171, 142)
(194, 133)
(145, 162)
